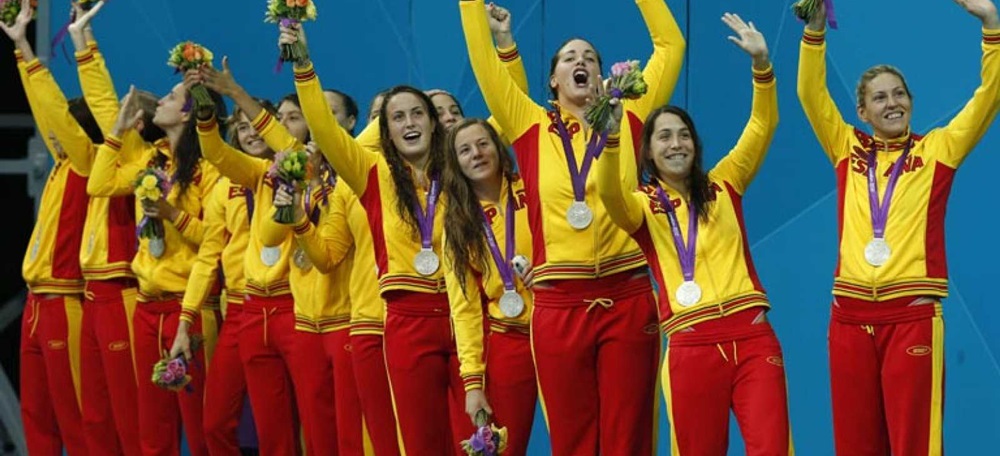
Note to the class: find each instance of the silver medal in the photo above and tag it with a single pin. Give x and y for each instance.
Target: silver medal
(511, 304)
(270, 256)
(877, 252)
(579, 215)
(426, 262)
(301, 259)
(156, 247)
(688, 294)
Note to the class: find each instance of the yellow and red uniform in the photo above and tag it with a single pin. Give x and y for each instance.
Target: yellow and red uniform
(575, 269)
(109, 245)
(502, 364)
(896, 307)
(704, 373)
(419, 350)
(162, 282)
(51, 325)
(227, 233)
(269, 341)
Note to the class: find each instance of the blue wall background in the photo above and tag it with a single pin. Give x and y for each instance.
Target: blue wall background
(363, 46)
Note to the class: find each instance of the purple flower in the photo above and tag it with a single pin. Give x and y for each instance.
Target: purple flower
(477, 443)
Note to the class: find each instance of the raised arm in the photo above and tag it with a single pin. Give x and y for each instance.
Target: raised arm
(192, 226)
(664, 65)
(741, 164)
(827, 122)
(240, 168)
(971, 123)
(95, 80)
(512, 109)
(123, 154)
(48, 98)
(624, 207)
(350, 160)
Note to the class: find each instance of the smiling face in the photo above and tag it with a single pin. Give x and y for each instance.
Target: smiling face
(478, 156)
(672, 148)
(886, 105)
(248, 138)
(410, 125)
(575, 73)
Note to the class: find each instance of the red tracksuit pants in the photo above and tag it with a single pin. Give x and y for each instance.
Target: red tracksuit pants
(368, 358)
(731, 363)
(350, 421)
(511, 388)
(275, 357)
(50, 367)
(225, 388)
(887, 376)
(161, 412)
(110, 407)
(596, 347)
(427, 392)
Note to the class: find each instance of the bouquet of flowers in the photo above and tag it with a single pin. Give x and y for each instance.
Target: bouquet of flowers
(805, 10)
(488, 439)
(86, 5)
(9, 9)
(172, 373)
(286, 13)
(626, 83)
(290, 169)
(151, 185)
(188, 56)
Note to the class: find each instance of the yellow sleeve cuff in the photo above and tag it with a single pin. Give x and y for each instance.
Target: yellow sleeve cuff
(813, 37)
(508, 54)
(764, 76)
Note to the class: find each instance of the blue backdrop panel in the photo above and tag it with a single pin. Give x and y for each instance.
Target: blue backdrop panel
(363, 46)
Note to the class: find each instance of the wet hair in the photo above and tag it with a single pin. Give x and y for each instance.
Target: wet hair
(233, 137)
(435, 92)
(406, 189)
(148, 102)
(697, 181)
(463, 223)
(349, 105)
(81, 112)
(873, 73)
(555, 62)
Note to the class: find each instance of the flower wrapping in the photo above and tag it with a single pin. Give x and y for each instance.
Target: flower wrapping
(805, 10)
(291, 169)
(9, 9)
(173, 373)
(152, 184)
(488, 439)
(286, 13)
(626, 83)
(188, 56)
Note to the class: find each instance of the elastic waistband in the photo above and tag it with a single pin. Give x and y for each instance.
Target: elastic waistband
(236, 298)
(583, 292)
(283, 303)
(108, 289)
(164, 296)
(161, 306)
(413, 304)
(737, 326)
(508, 328)
(899, 310)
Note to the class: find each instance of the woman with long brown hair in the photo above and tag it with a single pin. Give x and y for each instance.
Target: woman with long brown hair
(487, 247)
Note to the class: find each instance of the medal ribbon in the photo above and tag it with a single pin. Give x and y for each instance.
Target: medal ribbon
(594, 148)
(684, 252)
(502, 261)
(425, 220)
(880, 211)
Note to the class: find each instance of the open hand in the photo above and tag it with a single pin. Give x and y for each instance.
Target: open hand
(985, 10)
(748, 38)
(19, 31)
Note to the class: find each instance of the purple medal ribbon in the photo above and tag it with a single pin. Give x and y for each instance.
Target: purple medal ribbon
(594, 148)
(830, 16)
(426, 219)
(880, 212)
(249, 197)
(684, 253)
(503, 261)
